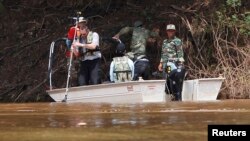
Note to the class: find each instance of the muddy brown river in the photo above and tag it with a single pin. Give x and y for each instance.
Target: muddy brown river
(172, 121)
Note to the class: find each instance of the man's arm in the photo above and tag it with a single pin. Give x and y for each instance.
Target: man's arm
(162, 52)
(179, 50)
(180, 54)
(93, 45)
(160, 66)
(123, 31)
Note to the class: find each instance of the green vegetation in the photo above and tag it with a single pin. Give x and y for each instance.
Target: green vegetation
(234, 16)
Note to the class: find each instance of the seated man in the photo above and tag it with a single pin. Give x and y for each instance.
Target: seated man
(121, 68)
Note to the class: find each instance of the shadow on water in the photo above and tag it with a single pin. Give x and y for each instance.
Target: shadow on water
(164, 121)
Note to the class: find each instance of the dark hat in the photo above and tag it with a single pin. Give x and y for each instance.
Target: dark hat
(120, 48)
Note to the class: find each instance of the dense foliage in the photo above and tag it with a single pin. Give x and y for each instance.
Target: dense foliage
(215, 38)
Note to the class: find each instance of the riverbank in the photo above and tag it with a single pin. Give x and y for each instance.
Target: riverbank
(215, 40)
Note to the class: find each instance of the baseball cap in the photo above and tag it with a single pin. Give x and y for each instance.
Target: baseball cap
(170, 27)
(82, 19)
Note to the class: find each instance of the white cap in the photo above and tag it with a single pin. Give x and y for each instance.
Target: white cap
(82, 19)
(170, 27)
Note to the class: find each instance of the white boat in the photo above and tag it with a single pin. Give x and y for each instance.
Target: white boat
(145, 91)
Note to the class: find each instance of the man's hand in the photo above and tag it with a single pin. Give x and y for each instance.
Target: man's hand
(116, 37)
(77, 44)
(75, 49)
(160, 67)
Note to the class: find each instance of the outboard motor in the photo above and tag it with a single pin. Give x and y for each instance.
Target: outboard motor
(174, 79)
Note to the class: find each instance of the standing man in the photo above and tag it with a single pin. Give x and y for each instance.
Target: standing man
(88, 50)
(138, 48)
(171, 48)
(121, 68)
(171, 62)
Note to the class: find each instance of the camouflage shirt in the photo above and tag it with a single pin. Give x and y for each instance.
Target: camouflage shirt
(139, 39)
(172, 50)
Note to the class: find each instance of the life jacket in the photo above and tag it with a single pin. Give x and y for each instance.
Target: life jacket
(90, 37)
(89, 40)
(87, 52)
(122, 71)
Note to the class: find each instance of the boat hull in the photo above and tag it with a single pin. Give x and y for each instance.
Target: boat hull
(125, 92)
(147, 91)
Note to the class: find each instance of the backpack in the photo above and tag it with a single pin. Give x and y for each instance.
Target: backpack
(122, 71)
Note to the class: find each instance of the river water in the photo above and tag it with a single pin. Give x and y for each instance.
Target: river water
(172, 121)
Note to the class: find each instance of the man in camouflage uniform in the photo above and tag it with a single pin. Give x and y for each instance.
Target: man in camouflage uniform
(138, 48)
(171, 63)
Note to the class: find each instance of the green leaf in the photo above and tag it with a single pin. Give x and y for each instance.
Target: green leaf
(247, 19)
(233, 3)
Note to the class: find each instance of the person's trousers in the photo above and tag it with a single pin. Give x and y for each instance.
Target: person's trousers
(89, 72)
(142, 69)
